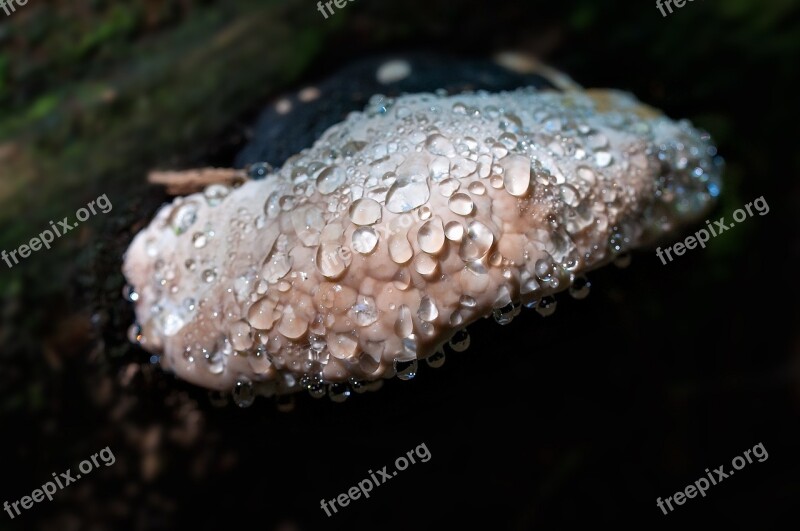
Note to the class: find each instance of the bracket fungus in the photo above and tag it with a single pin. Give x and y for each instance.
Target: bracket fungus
(399, 227)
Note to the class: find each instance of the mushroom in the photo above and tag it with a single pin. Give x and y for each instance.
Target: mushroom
(402, 225)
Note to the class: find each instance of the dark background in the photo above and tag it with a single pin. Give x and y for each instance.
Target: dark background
(586, 416)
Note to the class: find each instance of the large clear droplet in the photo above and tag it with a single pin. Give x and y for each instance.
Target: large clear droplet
(517, 176)
(332, 261)
(330, 179)
(400, 249)
(365, 212)
(431, 236)
(440, 145)
(406, 194)
(427, 310)
(477, 242)
(261, 314)
(461, 204)
(365, 239)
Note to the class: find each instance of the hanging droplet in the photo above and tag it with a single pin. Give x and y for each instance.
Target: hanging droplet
(406, 370)
(546, 306)
(243, 393)
(504, 315)
(580, 287)
(436, 359)
(460, 340)
(339, 392)
(622, 261)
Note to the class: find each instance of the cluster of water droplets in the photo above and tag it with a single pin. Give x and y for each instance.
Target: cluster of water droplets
(406, 223)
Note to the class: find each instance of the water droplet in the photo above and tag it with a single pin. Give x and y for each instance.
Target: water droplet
(431, 236)
(546, 306)
(406, 370)
(467, 301)
(261, 314)
(365, 212)
(241, 336)
(454, 231)
(460, 340)
(332, 260)
(425, 265)
(364, 240)
(439, 145)
(216, 193)
(477, 188)
(517, 175)
(343, 346)
(243, 393)
(407, 193)
(292, 325)
(199, 240)
(404, 326)
(504, 315)
(330, 179)
(316, 387)
(364, 312)
(461, 204)
(339, 392)
(259, 170)
(209, 275)
(448, 187)
(622, 261)
(570, 195)
(400, 249)
(436, 359)
(580, 287)
(477, 243)
(602, 158)
(130, 293)
(427, 310)
(183, 217)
